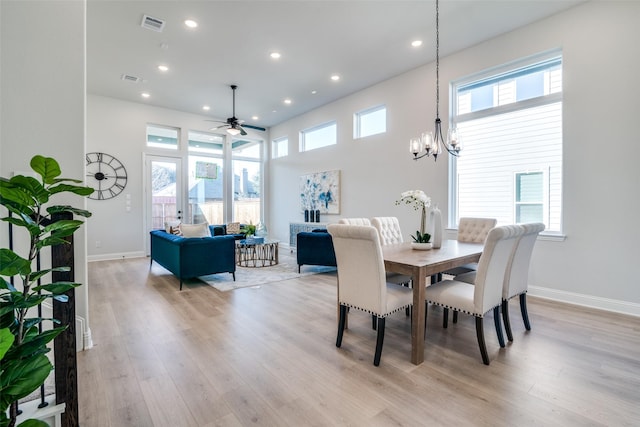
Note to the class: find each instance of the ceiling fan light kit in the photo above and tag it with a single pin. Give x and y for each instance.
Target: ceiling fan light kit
(233, 125)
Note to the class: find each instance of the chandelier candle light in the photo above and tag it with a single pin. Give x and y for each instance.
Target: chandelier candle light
(433, 143)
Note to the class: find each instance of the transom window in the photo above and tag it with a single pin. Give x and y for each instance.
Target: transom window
(318, 136)
(510, 122)
(162, 137)
(279, 147)
(371, 121)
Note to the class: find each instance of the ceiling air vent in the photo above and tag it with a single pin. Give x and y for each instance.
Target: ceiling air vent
(151, 23)
(128, 78)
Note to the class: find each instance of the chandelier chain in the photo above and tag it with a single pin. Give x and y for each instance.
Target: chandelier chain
(437, 59)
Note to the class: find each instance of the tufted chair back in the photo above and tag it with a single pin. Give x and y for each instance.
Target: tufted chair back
(475, 230)
(354, 221)
(492, 266)
(517, 275)
(389, 229)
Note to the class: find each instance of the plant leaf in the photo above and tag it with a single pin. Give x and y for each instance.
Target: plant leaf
(57, 288)
(76, 189)
(71, 209)
(33, 423)
(21, 377)
(6, 340)
(46, 167)
(11, 264)
(38, 274)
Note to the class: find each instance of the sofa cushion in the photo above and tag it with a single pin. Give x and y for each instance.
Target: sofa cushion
(173, 227)
(233, 228)
(195, 230)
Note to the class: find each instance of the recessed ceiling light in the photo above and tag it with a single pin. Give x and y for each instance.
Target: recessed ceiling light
(163, 68)
(287, 101)
(335, 77)
(206, 107)
(254, 117)
(416, 43)
(313, 92)
(145, 95)
(190, 23)
(275, 55)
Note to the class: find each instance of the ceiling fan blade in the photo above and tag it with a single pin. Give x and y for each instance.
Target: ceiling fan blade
(242, 131)
(254, 127)
(219, 127)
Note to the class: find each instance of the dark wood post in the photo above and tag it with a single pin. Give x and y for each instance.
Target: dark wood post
(66, 371)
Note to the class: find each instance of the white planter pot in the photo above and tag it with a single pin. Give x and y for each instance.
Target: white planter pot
(421, 246)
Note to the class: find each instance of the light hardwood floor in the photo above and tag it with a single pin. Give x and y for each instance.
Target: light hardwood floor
(267, 356)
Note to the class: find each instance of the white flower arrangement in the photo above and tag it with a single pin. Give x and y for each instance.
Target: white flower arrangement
(418, 200)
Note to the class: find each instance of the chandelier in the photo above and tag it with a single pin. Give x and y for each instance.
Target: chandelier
(429, 143)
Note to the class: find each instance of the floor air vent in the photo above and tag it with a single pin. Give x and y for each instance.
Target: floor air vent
(151, 23)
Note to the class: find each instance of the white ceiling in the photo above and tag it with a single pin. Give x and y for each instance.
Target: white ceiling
(365, 42)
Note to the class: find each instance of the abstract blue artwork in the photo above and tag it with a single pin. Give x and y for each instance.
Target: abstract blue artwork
(321, 190)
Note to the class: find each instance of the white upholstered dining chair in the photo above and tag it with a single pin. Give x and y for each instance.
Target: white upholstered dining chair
(361, 279)
(486, 295)
(472, 230)
(516, 279)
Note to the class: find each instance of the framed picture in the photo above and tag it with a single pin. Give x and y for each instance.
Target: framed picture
(321, 191)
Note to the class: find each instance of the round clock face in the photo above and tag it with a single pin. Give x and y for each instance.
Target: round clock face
(106, 175)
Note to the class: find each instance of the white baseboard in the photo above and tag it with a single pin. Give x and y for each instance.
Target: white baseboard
(108, 257)
(617, 306)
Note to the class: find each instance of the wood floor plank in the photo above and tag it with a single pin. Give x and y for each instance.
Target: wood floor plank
(266, 356)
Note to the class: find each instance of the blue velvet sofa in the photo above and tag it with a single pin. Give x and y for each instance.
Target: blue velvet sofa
(315, 248)
(188, 257)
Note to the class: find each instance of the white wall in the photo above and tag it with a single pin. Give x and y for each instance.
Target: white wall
(42, 101)
(595, 264)
(119, 128)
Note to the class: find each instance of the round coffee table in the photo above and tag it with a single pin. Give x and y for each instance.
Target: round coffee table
(256, 254)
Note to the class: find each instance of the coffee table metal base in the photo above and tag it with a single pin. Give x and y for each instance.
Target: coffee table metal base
(257, 254)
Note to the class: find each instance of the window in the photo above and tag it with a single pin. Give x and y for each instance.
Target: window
(318, 136)
(208, 143)
(529, 197)
(510, 123)
(371, 121)
(279, 147)
(162, 137)
(247, 181)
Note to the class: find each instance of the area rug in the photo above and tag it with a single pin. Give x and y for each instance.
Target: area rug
(286, 269)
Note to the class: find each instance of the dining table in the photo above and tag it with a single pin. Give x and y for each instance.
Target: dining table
(420, 265)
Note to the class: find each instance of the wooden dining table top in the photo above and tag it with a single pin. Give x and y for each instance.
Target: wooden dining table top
(420, 264)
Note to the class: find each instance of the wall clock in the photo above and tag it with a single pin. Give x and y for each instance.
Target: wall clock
(106, 175)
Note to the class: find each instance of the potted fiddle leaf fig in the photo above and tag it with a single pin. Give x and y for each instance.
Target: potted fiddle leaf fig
(23, 345)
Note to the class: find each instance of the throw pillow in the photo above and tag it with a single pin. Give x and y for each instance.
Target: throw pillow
(173, 227)
(233, 228)
(195, 230)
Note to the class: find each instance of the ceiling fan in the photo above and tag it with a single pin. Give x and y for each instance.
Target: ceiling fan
(233, 125)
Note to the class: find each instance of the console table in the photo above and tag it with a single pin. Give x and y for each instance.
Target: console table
(297, 227)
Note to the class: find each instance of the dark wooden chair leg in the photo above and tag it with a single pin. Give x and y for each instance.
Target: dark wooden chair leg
(379, 341)
(481, 343)
(426, 310)
(341, 323)
(445, 318)
(505, 319)
(496, 320)
(523, 309)
(234, 275)
(373, 321)
(180, 284)
(455, 316)
(299, 268)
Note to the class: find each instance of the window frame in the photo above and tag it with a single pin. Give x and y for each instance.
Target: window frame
(504, 71)
(160, 146)
(357, 121)
(544, 202)
(276, 144)
(305, 132)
